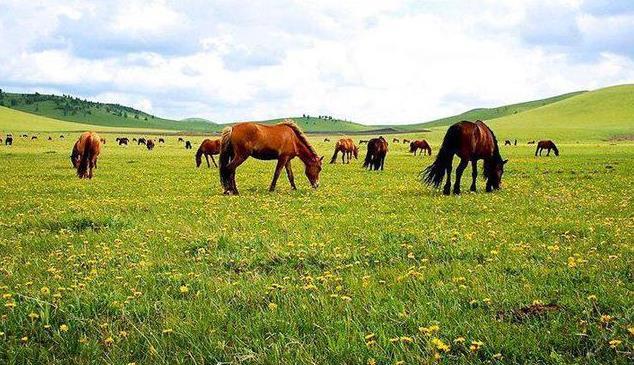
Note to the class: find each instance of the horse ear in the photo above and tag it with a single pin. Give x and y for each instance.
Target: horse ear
(505, 161)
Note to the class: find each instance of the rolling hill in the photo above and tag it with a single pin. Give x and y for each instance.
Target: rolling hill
(595, 115)
(72, 109)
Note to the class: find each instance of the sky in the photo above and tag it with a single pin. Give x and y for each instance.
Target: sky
(376, 62)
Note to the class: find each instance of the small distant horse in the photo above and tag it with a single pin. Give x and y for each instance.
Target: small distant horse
(471, 142)
(188, 145)
(102, 140)
(421, 145)
(122, 140)
(347, 148)
(282, 142)
(33, 138)
(515, 143)
(507, 143)
(50, 138)
(161, 140)
(180, 139)
(208, 148)
(140, 141)
(362, 141)
(531, 142)
(326, 139)
(546, 145)
(8, 141)
(24, 136)
(149, 144)
(85, 153)
(406, 141)
(395, 140)
(61, 136)
(375, 156)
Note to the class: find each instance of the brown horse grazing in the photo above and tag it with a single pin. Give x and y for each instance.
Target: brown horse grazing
(283, 141)
(188, 145)
(421, 145)
(122, 140)
(33, 138)
(406, 141)
(208, 148)
(375, 157)
(161, 140)
(471, 142)
(326, 139)
(50, 138)
(140, 141)
(149, 144)
(507, 143)
(180, 139)
(395, 140)
(85, 153)
(102, 140)
(531, 142)
(347, 148)
(8, 140)
(546, 145)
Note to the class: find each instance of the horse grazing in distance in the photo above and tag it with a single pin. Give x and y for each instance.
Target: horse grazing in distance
(507, 143)
(8, 140)
(406, 141)
(188, 145)
(102, 140)
(546, 145)
(85, 153)
(282, 142)
(375, 157)
(180, 139)
(347, 148)
(208, 148)
(515, 143)
(471, 142)
(122, 140)
(161, 140)
(531, 142)
(395, 140)
(61, 136)
(421, 145)
(149, 144)
(33, 138)
(326, 139)
(140, 141)
(50, 138)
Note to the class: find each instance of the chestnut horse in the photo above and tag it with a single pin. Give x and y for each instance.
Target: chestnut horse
(347, 148)
(421, 145)
(282, 142)
(208, 148)
(546, 145)
(375, 157)
(149, 144)
(471, 142)
(85, 153)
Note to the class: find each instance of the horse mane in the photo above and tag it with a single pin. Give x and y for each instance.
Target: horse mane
(496, 153)
(300, 135)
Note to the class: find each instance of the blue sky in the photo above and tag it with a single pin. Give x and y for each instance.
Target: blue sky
(372, 61)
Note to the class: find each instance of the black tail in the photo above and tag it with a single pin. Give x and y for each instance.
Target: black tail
(85, 157)
(226, 155)
(199, 155)
(334, 157)
(368, 159)
(435, 173)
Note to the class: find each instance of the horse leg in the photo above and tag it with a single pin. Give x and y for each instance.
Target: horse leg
(459, 170)
(536, 151)
(548, 154)
(231, 167)
(447, 188)
(289, 174)
(212, 160)
(280, 163)
(474, 174)
(207, 158)
(382, 162)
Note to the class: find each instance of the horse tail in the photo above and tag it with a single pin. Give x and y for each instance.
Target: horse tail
(368, 159)
(334, 157)
(199, 155)
(429, 149)
(226, 155)
(85, 157)
(435, 173)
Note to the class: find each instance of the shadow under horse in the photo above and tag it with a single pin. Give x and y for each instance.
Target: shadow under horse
(471, 142)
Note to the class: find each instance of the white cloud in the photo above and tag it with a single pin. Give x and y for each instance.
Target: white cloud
(376, 62)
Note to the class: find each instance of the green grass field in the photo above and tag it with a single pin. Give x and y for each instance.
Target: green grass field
(149, 263)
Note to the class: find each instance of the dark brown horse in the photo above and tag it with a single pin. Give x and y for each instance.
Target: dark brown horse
(122, 140)
(507, 143)
(546, 145)
(531, 142)
(395, 140)
(375, 157)
(102, 140)
(208, 148)
(161, 140)
(347, 148)
(471, 142)
(140, 141)
(180, 139)
(8, 140)
(406, 141)
(326, 139)
(33, 138)
(188, 145)
(149, 144)
(281, 142)
(421, 145)
(85, 153)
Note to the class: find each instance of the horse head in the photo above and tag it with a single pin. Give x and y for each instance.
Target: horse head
(313, 168)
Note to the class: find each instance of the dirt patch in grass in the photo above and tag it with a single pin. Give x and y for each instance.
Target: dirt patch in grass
(532, 311)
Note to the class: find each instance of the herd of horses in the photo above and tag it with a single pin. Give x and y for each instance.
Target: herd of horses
(470, 141)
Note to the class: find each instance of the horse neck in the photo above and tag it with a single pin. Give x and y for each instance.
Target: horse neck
(304, 153)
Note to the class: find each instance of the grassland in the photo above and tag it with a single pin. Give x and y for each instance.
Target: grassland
(149, 263)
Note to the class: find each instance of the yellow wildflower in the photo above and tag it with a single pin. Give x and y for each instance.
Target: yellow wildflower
(63, 328)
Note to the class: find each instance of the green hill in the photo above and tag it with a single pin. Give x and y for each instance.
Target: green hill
(490, 113)
(316, 125)
(16, 122)
(596, 115)
(72, 109)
